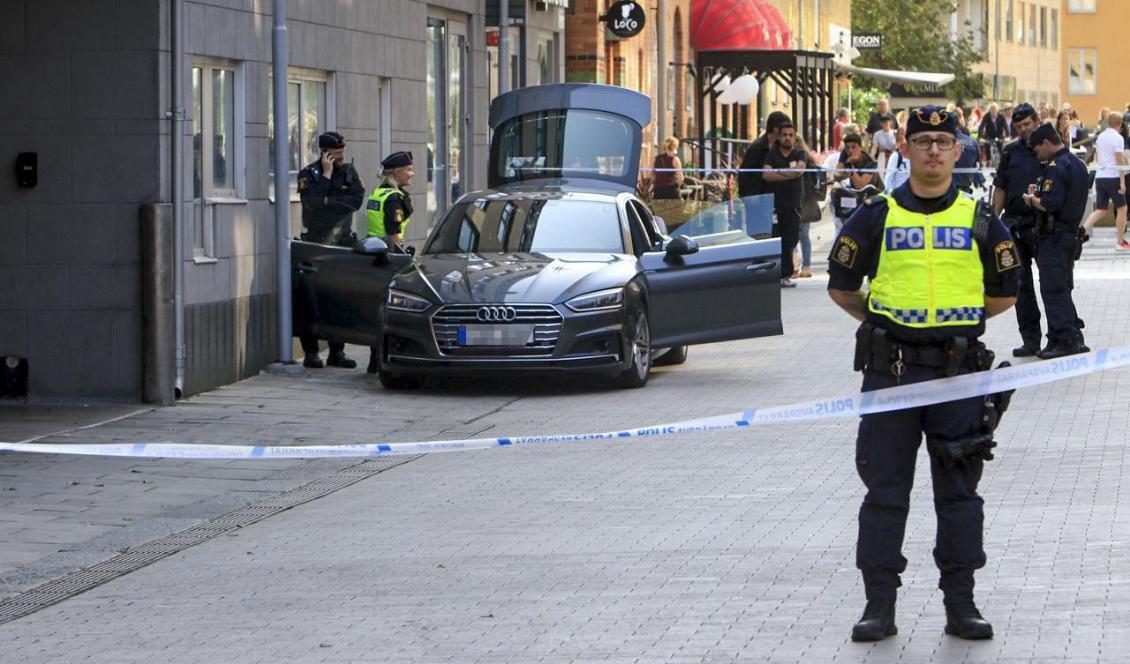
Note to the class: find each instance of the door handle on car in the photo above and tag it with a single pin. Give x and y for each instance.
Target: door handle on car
(306, 268)
(763, 266)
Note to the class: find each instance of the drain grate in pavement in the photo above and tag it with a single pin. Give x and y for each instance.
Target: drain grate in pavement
(135, 558)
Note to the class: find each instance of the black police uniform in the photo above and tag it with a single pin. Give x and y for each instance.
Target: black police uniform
(327, 208)
(1019, 167)
(329, 203)
(1062, 189)
(892, 354)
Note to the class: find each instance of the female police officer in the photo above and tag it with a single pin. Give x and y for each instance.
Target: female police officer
(938, 265)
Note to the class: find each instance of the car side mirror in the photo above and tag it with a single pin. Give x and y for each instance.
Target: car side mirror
(371, 246)
(681, 246)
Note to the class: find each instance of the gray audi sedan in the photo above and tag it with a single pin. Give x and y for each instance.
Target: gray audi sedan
(557, 267)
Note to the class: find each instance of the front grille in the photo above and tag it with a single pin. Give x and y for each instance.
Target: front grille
(545, 319)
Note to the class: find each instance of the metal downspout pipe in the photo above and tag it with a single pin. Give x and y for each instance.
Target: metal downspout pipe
(176, 28)
(282, 184)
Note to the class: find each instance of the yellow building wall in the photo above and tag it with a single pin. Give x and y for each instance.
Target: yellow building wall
(1105, 31)
(1036, 67)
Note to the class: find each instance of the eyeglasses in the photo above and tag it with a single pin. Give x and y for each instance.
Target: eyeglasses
(924, 143)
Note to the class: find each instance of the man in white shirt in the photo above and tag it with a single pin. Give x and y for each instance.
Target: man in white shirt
(1110, 183)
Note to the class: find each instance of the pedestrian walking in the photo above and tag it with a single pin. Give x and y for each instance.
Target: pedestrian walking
(970, 176)
(330, 191)
(1110, 179)
(1019, 168)
(750, 180)
(843, 118)
(1060, 199)
(784, 167)
(668, 176)
(875, 122)
(898, 166)
(930, 293)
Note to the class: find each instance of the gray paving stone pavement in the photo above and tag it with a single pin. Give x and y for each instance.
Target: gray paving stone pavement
(726, 547)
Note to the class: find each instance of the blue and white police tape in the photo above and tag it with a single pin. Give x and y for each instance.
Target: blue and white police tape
(878, 401)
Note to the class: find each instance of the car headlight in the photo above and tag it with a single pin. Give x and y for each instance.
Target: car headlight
(402, 301)
(613, 298)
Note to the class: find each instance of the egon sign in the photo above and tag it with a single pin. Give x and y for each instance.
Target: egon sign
(867, 41)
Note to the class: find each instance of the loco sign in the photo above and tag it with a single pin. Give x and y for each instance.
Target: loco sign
(625, 18)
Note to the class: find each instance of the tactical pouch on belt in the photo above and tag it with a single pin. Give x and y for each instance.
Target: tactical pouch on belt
(956, 350)
(862, 346)
(1080, 238)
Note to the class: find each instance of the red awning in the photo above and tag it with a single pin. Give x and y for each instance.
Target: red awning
(738, 25)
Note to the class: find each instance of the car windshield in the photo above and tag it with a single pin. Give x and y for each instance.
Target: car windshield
(570, 143)
(529, 225)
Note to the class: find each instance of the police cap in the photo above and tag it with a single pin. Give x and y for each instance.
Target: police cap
(1044, 132)
(331, 140)
(1022, 111)
(397, 160)
(931, 118)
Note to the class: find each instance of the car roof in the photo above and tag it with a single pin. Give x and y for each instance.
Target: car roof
(577, 191)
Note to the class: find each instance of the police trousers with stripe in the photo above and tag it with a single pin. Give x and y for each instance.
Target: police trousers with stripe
(885, 456)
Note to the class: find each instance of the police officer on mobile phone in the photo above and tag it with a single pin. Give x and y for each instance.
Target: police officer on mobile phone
(331, 191)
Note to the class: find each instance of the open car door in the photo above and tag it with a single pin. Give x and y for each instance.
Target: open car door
(718, 280)
(337, 291)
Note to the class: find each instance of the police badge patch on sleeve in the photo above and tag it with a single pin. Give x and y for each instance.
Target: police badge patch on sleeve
(1006, 256)
(845, 251)
(1047, 185)
(301, 183)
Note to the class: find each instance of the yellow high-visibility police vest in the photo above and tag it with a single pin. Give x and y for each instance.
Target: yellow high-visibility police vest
(375, 210)
(930, 272)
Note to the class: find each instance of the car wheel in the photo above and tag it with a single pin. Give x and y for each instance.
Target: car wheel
(391, 381)
(637, 350)
(674, 355)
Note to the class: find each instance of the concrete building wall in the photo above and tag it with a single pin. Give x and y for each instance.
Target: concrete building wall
(78, 86)
(1098, 30)
(87, 85)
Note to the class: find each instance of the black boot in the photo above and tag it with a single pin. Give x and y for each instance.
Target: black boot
(312, 361)
(340, 359)
(1026, 350)
(964, 620)
(374, 363)
(877, 623)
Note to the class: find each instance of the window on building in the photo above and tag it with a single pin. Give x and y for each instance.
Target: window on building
(1044, 27)
(1080, 6)
(671, 88)
(1032, 24)
(1008, 20)
(1054, 41)
(1082, 71)
(1021, 17)
(307, 118)
(216, 141)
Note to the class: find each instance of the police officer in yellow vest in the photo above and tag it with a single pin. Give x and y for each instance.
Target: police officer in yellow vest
(390, 207)
(389, 210)
(938, 264)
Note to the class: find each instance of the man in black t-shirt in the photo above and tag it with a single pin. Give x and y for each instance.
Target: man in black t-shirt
(750, 181)
(787, 162)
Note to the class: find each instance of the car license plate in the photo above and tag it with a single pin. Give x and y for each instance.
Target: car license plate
(495, 335)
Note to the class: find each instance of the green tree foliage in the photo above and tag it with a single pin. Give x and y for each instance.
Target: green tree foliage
(916, 37)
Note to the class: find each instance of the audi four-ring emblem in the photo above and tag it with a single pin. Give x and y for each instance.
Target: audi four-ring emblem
(496, 314)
